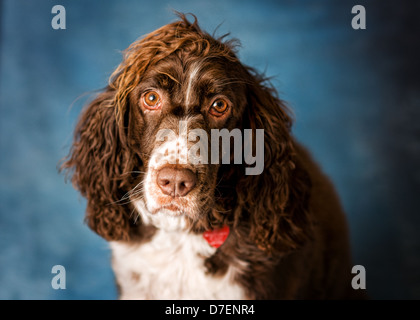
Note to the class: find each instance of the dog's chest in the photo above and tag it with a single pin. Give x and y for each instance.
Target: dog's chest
(170, 266)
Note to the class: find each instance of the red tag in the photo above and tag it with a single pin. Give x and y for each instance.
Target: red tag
(216, 237)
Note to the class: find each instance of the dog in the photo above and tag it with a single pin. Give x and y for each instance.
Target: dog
(205, 224)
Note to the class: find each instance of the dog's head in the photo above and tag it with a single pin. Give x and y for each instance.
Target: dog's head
(186, 137)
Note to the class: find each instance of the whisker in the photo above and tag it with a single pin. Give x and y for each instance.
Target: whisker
(137, 217)
(221, 211)
(125, 199)
(132, 200)
(129, 172)
(134, 189)
(136, 193)
(227, 82)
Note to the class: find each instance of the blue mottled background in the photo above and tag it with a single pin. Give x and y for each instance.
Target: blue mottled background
(355, 95)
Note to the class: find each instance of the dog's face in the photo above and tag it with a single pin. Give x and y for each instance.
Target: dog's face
(147, 150)
(180, 96)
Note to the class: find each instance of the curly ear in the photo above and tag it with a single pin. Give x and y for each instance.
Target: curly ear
(276, 201)
(98, 160)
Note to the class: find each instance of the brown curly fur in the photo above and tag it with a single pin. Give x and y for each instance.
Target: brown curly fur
(287, 222)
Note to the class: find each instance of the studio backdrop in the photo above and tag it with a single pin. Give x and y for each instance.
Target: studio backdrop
(354, 93)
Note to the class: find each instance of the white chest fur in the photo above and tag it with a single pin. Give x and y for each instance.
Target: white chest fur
(170, 266)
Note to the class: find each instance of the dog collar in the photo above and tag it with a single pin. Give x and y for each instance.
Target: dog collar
(216, 237)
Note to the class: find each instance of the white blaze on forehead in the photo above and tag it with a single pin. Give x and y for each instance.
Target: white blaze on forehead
(192, 79)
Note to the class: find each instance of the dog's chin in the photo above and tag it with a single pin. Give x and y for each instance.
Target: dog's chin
(169, 218)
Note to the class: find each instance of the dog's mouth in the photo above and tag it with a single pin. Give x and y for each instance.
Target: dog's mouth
(172, 208)
(171, 205)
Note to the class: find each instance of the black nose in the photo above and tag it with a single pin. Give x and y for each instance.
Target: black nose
(176, 182)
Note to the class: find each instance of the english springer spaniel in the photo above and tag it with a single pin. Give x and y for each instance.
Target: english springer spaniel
(187, 217)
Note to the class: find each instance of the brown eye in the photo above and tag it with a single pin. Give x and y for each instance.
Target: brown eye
(219, 107)
(151, 100)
